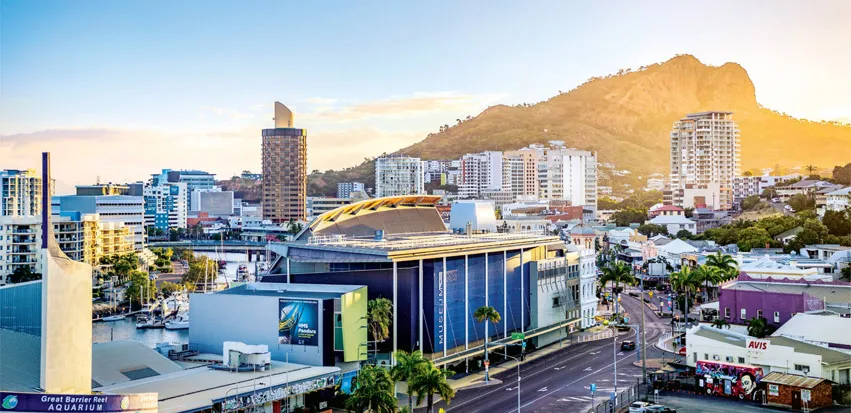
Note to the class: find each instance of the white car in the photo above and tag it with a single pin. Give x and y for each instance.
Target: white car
(788, 207)
(639, 407)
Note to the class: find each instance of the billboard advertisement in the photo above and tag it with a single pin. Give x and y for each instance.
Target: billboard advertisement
(298, 322)
(44, 402)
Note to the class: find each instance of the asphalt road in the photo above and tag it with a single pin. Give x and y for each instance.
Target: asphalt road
(560, 381)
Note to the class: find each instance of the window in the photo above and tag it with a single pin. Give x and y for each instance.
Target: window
(694, 357)
(741, 360)
(802, 367)
(706, 356)
(744, 314)
(758, 313)
(726, 312)
(729, 359)
(777, 316)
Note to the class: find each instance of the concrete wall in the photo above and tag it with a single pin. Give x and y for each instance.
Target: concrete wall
(66, 327)
(217, 318)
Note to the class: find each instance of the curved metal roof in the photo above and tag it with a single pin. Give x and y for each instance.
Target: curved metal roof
(393, 215)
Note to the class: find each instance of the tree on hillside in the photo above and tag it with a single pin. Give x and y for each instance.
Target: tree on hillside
(769, 193)
(750, 202)
(842, 174)
(753, 237)
(629, 216)
(811, 169)
(684, 234)
(837, 222)
(652, 230)
(801, 202)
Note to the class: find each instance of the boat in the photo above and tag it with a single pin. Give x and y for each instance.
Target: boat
(114, 317)
(181, 322)
(242, 273)
(146, 323)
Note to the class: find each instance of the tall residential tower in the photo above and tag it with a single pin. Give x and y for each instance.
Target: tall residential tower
(284, 194)
(704, 160)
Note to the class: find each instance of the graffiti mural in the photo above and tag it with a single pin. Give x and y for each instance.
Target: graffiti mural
(725, 379)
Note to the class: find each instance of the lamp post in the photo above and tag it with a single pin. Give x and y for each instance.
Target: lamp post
(643, 334)
(518, 380)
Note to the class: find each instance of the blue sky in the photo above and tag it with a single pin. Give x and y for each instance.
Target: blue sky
(154, 84)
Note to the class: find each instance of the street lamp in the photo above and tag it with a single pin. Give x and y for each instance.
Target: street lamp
(518, 380)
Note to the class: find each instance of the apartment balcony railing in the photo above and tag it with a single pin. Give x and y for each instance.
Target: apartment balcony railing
(23, 240)
(18, 230)
(23, 260)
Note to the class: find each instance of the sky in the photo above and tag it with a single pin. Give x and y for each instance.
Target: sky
(117, 90)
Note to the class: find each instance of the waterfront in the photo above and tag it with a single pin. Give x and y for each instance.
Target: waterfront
(105, 331)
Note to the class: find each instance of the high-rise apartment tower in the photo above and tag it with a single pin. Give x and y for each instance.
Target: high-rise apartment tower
(284, 169)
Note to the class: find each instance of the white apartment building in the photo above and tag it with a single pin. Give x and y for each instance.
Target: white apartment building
(20, 192)
(318, 205)
(20, 237)
(522, 170)
(587, 285)
(705, 150)
(839, 200)
(568, 174)
(398, 175)
(126, 210)
(745, 186)
(345, 189)
(214, 201)
(480, 172)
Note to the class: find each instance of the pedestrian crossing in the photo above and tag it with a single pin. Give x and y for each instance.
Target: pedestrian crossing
(583, 399)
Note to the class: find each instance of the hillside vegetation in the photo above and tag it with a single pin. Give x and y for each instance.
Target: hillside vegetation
(627, 118)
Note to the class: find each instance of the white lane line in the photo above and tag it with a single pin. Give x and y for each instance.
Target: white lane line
(587, 369)
(573, 382)
(542, 389)
(455, 406)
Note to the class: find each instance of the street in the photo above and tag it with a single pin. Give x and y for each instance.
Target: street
(560, 381)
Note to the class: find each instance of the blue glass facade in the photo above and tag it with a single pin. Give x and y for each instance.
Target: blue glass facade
(20, 308)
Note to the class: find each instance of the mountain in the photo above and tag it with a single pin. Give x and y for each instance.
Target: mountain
(627, 118)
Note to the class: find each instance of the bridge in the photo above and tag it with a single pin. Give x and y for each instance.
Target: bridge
(249, 247)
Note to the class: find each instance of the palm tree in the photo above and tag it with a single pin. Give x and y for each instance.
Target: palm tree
(429, 383)
(380, 316)
(811, 168)
(725, 263)
(408, 366)
(757, 327)
(617, 272)
(684, 281)
(374, 391)
(485, 314)
(705, 275)
(721, 323)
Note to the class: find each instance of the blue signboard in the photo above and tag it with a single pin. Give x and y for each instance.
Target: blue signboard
(44, 402)
(298, 322)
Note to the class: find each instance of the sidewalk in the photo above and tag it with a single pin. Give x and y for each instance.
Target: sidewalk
(477, 379)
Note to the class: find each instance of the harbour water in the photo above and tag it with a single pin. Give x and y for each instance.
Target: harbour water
(105, 331)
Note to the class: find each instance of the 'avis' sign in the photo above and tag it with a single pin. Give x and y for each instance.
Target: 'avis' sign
(754, 344)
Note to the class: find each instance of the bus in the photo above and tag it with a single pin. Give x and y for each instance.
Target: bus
(727, 379)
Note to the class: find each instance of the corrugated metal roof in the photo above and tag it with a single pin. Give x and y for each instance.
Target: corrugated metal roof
(20, 361)
(792, 380)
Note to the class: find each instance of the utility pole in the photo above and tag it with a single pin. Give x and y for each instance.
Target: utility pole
(643, 335)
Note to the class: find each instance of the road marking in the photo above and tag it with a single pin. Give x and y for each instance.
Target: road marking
(594, 352)
(574, 382)
(543, 389)
(510, 388)
(575, 399)
(620, 353)
(558, 368)
(565, 361)
(588, 369)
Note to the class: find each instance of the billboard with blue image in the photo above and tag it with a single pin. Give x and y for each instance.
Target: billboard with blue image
(298, 322)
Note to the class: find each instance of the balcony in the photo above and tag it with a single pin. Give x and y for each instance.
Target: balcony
(23, 240)
(23, 260)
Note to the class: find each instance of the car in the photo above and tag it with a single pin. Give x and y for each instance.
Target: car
(788, 207)
(627, 345)
(682, 351)
(639, 407)
(775, 200)
(658, 408)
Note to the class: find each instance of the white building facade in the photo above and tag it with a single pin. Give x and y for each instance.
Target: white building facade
(705, 150)
(126, 210)
(481, 172)
(19, 244)
(20, 192)
(588, 286)
(745, 186)
(345, 189)
(398, 175)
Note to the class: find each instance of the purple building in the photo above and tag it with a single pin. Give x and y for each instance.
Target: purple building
(778, 300)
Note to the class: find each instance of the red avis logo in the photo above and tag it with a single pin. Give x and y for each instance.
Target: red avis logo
(758, 345)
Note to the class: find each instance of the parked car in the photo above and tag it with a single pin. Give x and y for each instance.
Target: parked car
(639, 407)
(627, 345)
(775, 200)
(658, 408)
